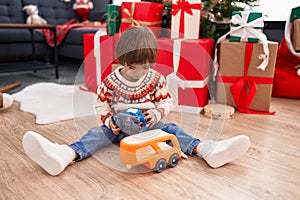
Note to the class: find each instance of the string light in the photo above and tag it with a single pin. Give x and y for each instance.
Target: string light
(219, 15)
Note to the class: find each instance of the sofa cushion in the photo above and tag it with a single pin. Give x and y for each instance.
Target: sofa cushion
(54, 11)
(97, 13)
(14, 35)
(75, 36)
(11, 11)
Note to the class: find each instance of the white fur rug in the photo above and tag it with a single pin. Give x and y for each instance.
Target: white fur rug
(52, 102)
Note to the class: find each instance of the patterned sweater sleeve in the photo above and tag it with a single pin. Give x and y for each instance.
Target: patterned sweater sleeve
(103, 104)
(163, 98)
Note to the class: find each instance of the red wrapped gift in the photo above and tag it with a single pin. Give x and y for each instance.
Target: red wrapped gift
(99, 57)
(186, 66)
(141, 13)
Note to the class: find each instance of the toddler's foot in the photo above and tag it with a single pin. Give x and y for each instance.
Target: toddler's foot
(6, 100)
(52, 157)
(217, 154)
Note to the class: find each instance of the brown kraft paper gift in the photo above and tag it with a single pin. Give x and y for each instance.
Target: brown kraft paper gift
(231, 69)
(296, 35)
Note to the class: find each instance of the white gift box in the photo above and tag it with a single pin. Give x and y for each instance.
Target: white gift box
(185, 22)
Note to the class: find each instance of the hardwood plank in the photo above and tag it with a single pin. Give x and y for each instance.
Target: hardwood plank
(269, 170)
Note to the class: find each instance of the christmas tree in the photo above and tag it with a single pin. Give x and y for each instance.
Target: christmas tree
(215, 15)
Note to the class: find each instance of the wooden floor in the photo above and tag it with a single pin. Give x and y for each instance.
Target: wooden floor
(269, 170)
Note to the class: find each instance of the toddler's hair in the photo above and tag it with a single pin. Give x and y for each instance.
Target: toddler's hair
(137, 45)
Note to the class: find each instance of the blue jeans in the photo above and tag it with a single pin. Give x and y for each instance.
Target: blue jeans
(102, 136)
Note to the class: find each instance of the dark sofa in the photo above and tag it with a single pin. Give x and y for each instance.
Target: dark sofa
(17, 42)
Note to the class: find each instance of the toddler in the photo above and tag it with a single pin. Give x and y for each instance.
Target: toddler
(135, 84)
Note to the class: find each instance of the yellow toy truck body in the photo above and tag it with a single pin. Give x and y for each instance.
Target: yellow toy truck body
(155, 149)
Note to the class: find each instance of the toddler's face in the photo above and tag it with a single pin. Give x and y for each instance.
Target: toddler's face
(135, 71)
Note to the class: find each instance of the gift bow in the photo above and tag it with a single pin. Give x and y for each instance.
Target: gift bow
(244, 26)
(130, 18)
(174, 82)
(243, 92)
(244, 89)
(237, 19)
(185, 7)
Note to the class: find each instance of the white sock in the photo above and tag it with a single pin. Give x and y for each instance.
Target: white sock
(6, 100)
(217, 154)
(52, 157)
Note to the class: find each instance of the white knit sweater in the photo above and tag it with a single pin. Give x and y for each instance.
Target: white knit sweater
(116, 94)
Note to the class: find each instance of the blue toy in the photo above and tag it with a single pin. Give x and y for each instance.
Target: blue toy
(131, 121)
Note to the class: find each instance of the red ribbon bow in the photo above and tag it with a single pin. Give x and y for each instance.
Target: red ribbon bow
(184, 6)
(243, 92)
(244, 88)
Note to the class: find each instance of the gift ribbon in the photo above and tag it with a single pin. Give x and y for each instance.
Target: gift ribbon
(97, 54)
(130, 18)
(112, 19)
(244, 88)
(236, 19)
(185, 7)
(174, 82)
(249, 27)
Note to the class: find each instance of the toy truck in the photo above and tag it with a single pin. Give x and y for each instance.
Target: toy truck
(155, 149)
(131, 121)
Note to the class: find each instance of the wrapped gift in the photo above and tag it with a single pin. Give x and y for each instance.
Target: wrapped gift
(246, 26)
(295, 14)
(99, 58)
(185, 21)
(186, 66)
(295, 20)
(113, 19)
(296, 35)
(291, 32)
(240, 83)
(142, 14)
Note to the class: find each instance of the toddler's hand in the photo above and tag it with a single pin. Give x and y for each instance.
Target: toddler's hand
(150, 118)
(113, 127)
